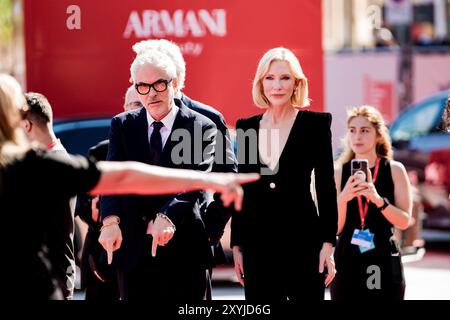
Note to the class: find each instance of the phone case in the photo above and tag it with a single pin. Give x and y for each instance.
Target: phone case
(359, 168)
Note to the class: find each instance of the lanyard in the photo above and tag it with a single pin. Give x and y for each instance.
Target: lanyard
(364, 207)
(52, 144)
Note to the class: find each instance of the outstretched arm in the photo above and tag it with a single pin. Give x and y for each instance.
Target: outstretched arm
(129, 177)
(137, 178)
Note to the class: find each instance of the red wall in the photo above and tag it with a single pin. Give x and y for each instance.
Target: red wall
(85, 71)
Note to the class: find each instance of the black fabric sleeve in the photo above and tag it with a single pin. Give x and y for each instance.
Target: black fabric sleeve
(237, 225)
(111, 205)
(324, 179)
(177, 206)
(65, 176)
(216, 215)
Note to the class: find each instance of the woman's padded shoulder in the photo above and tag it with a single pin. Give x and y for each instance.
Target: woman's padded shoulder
(247, 122)
(318, 118)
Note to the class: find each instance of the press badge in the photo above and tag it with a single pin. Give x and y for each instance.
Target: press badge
(364, 249)
(363, 238)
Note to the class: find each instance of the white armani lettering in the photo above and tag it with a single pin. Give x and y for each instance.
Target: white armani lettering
(153, 23)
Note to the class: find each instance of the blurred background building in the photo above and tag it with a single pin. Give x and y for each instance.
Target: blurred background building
(392, 53)
(365, 24)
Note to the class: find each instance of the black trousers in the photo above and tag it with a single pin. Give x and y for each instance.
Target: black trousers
(277, 285)
(98, 279)
(277, 277)
(352, 278)
(155, 281)
(97, 290)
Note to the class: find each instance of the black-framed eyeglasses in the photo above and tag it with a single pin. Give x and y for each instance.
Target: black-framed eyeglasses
(159, 86)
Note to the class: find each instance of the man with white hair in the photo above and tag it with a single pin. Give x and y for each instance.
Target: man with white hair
(214, 214)
(176, 271)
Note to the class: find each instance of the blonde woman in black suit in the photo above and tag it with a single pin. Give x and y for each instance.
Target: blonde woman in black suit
(282, 244)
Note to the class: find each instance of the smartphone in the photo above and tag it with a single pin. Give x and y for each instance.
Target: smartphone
(359, 169)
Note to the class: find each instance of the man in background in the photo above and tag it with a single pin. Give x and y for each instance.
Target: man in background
(37, 122)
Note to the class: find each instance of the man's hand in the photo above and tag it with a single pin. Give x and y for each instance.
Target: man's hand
(162, 230)
(110, 239)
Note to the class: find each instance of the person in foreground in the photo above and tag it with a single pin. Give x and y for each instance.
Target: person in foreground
(281, 245)
(24, 169)
(367, 255)
(37, 123)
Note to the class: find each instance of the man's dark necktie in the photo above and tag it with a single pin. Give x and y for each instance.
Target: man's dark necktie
(156, 142)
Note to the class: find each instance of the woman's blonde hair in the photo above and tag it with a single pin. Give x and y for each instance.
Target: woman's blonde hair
(11, 100)
(299, 97)
(383, 146)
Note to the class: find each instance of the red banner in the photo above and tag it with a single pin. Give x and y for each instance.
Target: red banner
(78, 52)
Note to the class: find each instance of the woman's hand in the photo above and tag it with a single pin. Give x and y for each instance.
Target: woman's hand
(351, 189)
(370, 192)
(238, 264)
(326, 259)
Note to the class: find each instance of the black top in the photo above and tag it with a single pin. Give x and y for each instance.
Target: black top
(281, 201)
(374, 221)
(280, 229)
(357, 272)
(30, 187)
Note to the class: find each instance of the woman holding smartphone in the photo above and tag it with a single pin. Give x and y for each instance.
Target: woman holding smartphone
(367, 256)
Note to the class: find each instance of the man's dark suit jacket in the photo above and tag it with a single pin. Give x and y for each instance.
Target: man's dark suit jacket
(216, 216)
(129, 141)
(94, 265)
